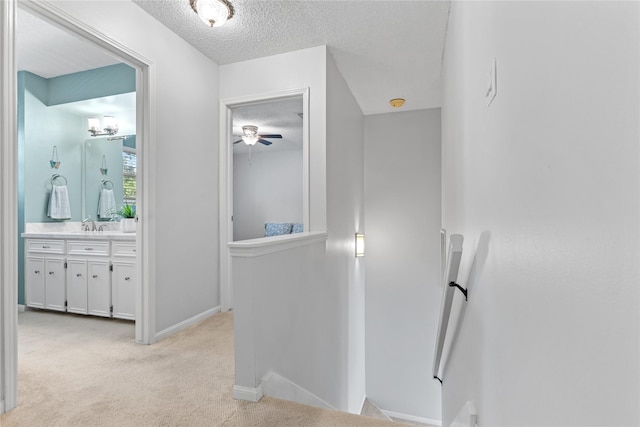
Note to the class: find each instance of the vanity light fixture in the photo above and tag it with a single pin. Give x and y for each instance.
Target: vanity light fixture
(359, 245)
(109, 123)
(214, 13)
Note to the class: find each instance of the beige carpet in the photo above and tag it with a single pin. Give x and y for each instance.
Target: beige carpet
(85, 371)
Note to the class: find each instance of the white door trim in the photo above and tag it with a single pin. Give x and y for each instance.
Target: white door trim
(8, 210)
(145, 97)
(226, 178)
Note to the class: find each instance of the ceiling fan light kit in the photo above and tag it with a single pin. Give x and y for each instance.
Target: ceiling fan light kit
(214, 13)
(250, 139)
(250, 136)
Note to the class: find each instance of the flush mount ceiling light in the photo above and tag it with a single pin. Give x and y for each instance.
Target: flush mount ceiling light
(397, 102)
(214, 13)
(109, 123)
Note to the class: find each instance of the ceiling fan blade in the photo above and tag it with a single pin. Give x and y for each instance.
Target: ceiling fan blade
(264, 141)
(275, 135)
(238, 141)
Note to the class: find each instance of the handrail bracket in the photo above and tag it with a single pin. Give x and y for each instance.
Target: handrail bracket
(463, 290)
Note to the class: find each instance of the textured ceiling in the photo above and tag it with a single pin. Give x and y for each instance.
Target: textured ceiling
(384, 49)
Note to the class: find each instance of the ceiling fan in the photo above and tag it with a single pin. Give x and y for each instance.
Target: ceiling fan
(250, 136)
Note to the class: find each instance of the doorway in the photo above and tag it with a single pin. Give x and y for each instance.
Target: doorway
(227, 139)
(267, 169)
(145, 301)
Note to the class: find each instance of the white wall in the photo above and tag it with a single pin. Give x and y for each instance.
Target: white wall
(544, 186)
(290, 71)
(324, 375)
(345, 217)
(282, 321)
(402, 202)
(186, 267)
(335, 371)
(267, 187)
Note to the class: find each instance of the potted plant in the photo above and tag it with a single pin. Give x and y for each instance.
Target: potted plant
(127, 214)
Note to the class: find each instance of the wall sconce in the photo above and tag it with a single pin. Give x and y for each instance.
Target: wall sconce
(110, 126)
(359, 245)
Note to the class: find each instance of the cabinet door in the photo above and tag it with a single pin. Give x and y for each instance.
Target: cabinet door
(77, 286)
(34, 281)
(99, 288)
(124, 290)
(54, 284)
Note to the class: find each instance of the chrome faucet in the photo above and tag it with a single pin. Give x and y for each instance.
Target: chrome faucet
(85, 224)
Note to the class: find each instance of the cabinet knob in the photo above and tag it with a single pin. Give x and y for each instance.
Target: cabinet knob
(78, 275)
(51, 272)
(127, 278)
(88, 249)
(45, 247)
(95, 276)
(37, 271)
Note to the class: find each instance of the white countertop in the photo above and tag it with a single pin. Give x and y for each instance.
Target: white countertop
(82, 235)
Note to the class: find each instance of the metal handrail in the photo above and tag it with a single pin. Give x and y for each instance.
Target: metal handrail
(453, 265)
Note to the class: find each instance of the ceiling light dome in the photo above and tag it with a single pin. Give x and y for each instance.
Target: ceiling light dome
(213, 12)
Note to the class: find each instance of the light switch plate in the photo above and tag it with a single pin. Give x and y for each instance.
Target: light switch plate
(492, 83)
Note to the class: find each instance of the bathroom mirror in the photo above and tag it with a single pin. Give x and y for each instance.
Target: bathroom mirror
(109, 164)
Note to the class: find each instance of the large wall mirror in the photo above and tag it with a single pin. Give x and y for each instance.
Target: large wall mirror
(268, 175)
(109, 176)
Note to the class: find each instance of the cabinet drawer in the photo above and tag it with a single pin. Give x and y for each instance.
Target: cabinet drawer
(79, 247)
(45, 246)
(124, 249)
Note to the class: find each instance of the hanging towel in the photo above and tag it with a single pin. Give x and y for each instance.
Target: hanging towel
(106, 204)
(59, 207)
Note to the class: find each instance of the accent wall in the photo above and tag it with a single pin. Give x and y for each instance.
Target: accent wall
(42, 124)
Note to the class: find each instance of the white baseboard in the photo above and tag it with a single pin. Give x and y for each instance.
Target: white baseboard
(247, 393)
(275, 385)
(364, 400)
(413, 418)
(186, 323)
(21, 308)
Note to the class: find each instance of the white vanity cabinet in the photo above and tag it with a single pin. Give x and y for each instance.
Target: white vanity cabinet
(91, 276)
(45, 274)
(88, 278)
(123, 280)
(77, 286)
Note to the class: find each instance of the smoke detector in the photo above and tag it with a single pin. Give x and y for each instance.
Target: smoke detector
(397, 102)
